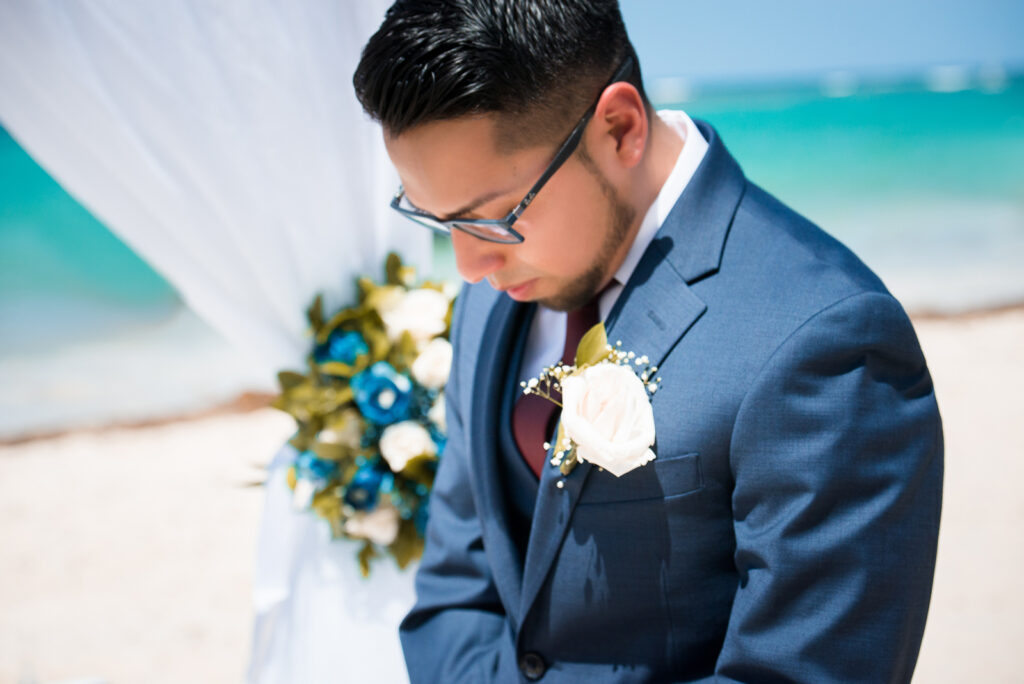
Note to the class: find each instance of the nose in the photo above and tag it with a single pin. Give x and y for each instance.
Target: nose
(475, 258)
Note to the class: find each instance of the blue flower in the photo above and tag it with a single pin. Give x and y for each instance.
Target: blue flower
(310, 466)
(383, 395)
(342, 345)
(361, 493)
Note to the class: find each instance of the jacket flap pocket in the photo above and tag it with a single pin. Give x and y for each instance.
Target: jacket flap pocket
(662, 477)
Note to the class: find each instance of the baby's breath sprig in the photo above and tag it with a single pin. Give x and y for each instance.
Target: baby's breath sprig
(641, 365)
(548, 384)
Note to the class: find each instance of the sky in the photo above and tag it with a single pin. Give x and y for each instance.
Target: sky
(787, 39)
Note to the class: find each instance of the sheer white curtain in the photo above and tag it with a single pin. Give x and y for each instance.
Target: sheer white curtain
(221, 140)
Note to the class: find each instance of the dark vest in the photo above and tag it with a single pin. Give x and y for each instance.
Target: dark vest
(518, 481)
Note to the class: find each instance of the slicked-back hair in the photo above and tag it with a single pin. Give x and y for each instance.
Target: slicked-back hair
(537, 64)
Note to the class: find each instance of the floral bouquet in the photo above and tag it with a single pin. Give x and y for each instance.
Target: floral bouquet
(370, 413)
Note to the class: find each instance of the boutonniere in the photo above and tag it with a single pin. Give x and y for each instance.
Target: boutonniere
(607, 419)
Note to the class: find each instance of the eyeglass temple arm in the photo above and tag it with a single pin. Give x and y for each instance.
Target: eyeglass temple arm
(569, 146)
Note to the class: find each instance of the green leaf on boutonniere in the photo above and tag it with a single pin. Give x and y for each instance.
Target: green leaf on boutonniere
(593, 347)
(569, 462)
(560, 437)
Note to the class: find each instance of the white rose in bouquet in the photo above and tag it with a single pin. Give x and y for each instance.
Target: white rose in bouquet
(420, 312)
(437, 415)
(402, 442)
(379, 525)
(434, 363)
(606, 411)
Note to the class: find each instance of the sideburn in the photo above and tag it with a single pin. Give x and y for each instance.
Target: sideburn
(621, 217)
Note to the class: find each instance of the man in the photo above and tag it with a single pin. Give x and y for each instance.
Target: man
(786, 529)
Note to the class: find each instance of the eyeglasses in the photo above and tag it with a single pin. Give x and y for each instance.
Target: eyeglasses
(500, 230)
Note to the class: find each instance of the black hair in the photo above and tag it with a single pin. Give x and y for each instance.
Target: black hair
(538, 64)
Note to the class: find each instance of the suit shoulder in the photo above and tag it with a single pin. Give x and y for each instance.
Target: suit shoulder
(472, 308)
(798, 250)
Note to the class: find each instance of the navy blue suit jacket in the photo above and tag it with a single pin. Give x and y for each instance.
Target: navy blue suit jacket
(786, 531)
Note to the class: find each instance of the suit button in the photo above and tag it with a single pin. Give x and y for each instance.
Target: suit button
(532, 666)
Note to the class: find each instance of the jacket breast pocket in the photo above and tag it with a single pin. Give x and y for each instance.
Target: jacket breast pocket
(662, 478)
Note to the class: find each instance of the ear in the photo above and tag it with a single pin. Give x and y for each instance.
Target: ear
(621, 119)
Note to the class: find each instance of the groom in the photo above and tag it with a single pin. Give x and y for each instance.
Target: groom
(786, 529)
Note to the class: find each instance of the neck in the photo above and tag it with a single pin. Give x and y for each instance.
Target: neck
(663, 148)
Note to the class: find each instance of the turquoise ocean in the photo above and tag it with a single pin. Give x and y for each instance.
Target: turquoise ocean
(926, 187)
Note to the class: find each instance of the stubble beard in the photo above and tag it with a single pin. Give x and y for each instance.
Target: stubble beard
(582, 289)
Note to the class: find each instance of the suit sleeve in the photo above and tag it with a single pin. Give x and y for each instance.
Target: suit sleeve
(837, 458)
(456, 632)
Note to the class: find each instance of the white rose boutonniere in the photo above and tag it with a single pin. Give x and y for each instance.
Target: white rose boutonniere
(607, 419)
(607, 415)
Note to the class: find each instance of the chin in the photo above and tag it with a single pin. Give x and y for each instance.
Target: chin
(570, 299)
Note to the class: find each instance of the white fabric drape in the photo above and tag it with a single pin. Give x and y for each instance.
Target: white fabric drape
(221, 140)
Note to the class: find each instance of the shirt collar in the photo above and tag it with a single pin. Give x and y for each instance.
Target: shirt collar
(694, 148)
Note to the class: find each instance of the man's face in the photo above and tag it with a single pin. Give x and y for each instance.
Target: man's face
(574, 230)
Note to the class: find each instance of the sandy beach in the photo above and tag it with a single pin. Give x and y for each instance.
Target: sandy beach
(127, 551)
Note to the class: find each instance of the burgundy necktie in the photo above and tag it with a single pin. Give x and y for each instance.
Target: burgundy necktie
(533, 417)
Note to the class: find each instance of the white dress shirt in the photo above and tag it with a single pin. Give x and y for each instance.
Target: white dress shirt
(547, 330)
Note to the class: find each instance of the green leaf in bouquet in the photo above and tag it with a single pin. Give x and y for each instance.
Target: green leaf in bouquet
(379, 344)
(344, 428)
(593, 347)
(330, 452)
(301, 441)
(330, 399)
(327, 504)
(393, 269)
(315, 313)
(297, 409)
(365, 287)
(338, 369)
(408, 545)
(420, 469)
(289, 379)
(407, 275)
(349, 318)
(403, 353)
(384, 297)
(366, 554)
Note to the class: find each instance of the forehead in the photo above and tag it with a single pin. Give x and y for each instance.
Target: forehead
(444, 165)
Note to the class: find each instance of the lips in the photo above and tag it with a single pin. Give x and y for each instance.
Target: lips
(519, 291)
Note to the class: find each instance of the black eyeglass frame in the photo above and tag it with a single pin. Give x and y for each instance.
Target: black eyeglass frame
(445, 226)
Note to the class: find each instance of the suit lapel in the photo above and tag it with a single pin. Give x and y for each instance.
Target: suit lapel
(658, 314)
(487, 386)
(656, 309)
